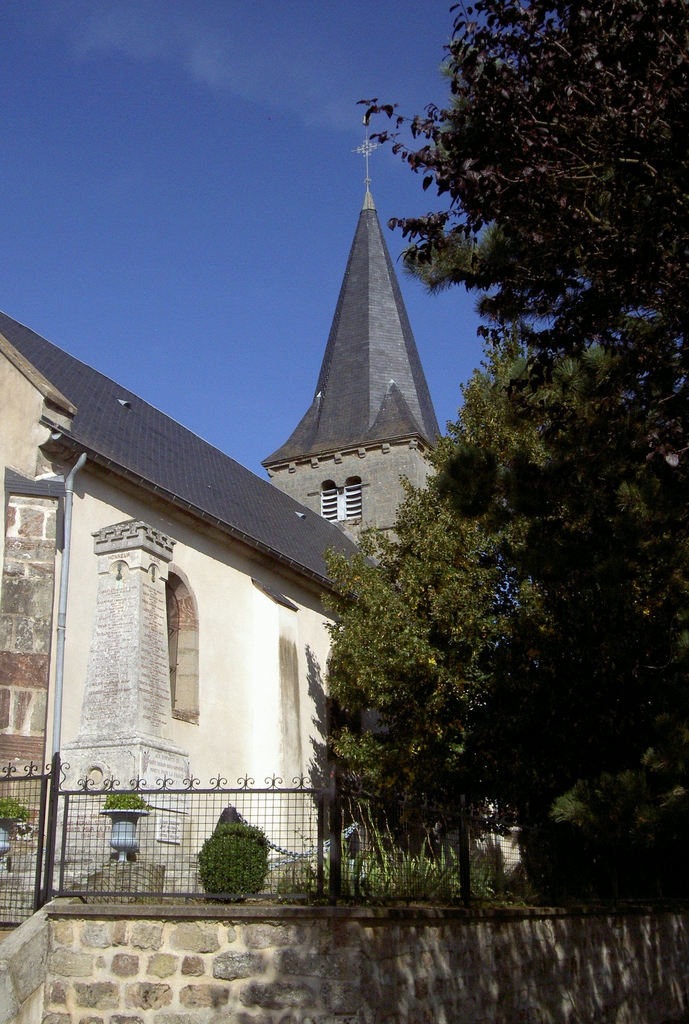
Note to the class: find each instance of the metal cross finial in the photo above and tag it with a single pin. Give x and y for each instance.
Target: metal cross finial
(366, 148)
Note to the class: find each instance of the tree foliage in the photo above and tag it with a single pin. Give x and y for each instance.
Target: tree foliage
(564, 160)
(526, 635)
(419, 616)
(594, 652)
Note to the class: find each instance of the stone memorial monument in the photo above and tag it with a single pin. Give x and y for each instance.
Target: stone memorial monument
(126, 714)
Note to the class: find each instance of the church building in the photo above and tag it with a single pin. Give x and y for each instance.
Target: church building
(161, 607)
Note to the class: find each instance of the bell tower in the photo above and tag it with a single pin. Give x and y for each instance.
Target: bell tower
(371, 420)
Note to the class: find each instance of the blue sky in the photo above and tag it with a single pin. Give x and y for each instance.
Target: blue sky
(179, 193)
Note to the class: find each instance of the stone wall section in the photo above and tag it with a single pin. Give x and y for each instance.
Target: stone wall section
(23, 961)
(26, 619)
(359, 966)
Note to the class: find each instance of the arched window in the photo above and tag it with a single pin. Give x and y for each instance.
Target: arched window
(172, 608)
(183, 648)
(341, 503)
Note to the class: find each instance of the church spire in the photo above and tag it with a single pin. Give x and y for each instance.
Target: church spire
(371, 386)
(371, 398)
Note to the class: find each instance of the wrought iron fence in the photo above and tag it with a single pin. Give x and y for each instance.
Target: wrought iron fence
(22, 840)
(98, 857)
(312, 844)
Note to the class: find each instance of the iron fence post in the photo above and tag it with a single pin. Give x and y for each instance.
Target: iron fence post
(335, 838)
(51, 831)
(41, 839)
(320, 841)
(464, 861)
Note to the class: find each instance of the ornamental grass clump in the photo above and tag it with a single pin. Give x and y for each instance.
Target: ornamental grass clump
(234, 860)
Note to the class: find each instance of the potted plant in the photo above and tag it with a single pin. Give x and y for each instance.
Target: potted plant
(11, 811)
(124, 811)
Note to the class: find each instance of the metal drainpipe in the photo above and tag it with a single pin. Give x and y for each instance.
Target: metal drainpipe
(62, 603)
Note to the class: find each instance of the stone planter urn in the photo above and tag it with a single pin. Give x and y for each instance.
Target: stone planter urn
(11, 813)
(124, 820)
(5, 830)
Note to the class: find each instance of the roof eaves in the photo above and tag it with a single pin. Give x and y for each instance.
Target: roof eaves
(99, 459)
(350, 449)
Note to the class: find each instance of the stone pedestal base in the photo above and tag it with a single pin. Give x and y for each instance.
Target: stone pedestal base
(126, 759)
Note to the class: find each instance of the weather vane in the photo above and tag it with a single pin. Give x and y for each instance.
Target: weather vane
(366, 148)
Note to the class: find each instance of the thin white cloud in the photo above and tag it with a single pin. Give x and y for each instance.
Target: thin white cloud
(264, 53)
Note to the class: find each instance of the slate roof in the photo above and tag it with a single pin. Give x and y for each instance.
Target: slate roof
(371, 386)
(121, 431)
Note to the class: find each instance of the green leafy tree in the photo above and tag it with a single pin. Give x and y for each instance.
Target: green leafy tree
(420, 615)
(524, 635)
(557, 525)
(563, 161)
(407, 649)
(597, 654)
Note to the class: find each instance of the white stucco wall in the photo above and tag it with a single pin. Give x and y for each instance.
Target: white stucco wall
(239, 680)
(239, 728)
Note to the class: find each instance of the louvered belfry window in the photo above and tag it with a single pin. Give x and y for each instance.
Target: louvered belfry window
(352, 498)
(341, 503)
(329, 500)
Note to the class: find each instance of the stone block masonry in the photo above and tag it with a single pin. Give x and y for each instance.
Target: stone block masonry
(26, 610)
(262, 964)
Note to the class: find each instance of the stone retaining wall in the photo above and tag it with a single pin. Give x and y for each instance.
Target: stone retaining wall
(23, 964)
(297, 965)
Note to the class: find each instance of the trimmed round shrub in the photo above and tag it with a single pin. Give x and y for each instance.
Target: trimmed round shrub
(234, 860)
